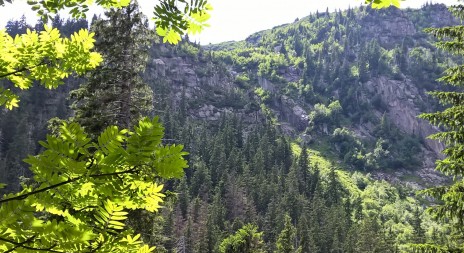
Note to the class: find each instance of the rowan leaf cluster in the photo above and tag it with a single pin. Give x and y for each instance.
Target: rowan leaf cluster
(77, 8)
(173, 18)
(379, 4)
(82, 189)
(48, 58)
(45, 57)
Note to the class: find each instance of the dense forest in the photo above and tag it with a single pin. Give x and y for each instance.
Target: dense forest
(301, 138)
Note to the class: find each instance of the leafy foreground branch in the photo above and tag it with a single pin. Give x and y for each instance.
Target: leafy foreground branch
(45, 57)
(48, 58)
(25, 195)
(82, 189)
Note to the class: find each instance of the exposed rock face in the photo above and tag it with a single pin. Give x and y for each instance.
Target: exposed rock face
(266, 84)
(184, 81)
(159, 67)
(401, 98)
(389, 29)
(439, 16)
(292, 74)
(203, 84)
(292, 113)
(209, 112)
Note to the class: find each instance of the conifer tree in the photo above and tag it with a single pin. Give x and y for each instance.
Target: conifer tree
(419, 232)
(115, 92)
(183, 197)
(303, 177)
(371, 238)
(334, 189)
(15, 27)
(451, 120)
(303, 232)
(285, 241)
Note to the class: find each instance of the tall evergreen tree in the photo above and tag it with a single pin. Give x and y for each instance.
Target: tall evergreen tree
(303, 167)
(15, 27)
(451, 208)
(419, 232)
(115, 92)
(285, 242)
(303, 232)
(334, 188)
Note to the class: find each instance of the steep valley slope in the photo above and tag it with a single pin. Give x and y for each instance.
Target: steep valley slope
(349, 83)
(308, 127)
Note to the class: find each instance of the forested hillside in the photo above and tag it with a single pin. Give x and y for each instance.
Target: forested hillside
(358, 78)
(302, 138)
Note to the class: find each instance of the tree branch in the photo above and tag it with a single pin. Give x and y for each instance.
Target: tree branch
(23, 196)
(14, 72)
(21, 70)
(22, 245)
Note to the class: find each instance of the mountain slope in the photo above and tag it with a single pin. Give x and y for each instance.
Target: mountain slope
(290, 123)
(373, 67)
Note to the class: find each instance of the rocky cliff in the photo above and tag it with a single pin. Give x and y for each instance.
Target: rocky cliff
(402, 99)
(379, 65)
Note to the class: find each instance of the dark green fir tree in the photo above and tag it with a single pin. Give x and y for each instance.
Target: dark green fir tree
(115, 92)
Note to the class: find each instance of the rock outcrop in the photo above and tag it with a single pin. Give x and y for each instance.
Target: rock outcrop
(389, 29)
(402, 98)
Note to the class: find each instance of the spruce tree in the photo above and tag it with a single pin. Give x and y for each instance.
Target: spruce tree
(302, 173)
(303, 232)
(115, 92)
(183, 197)
(450, 209)
(286, 238)
(334, 188)
(416, 222)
